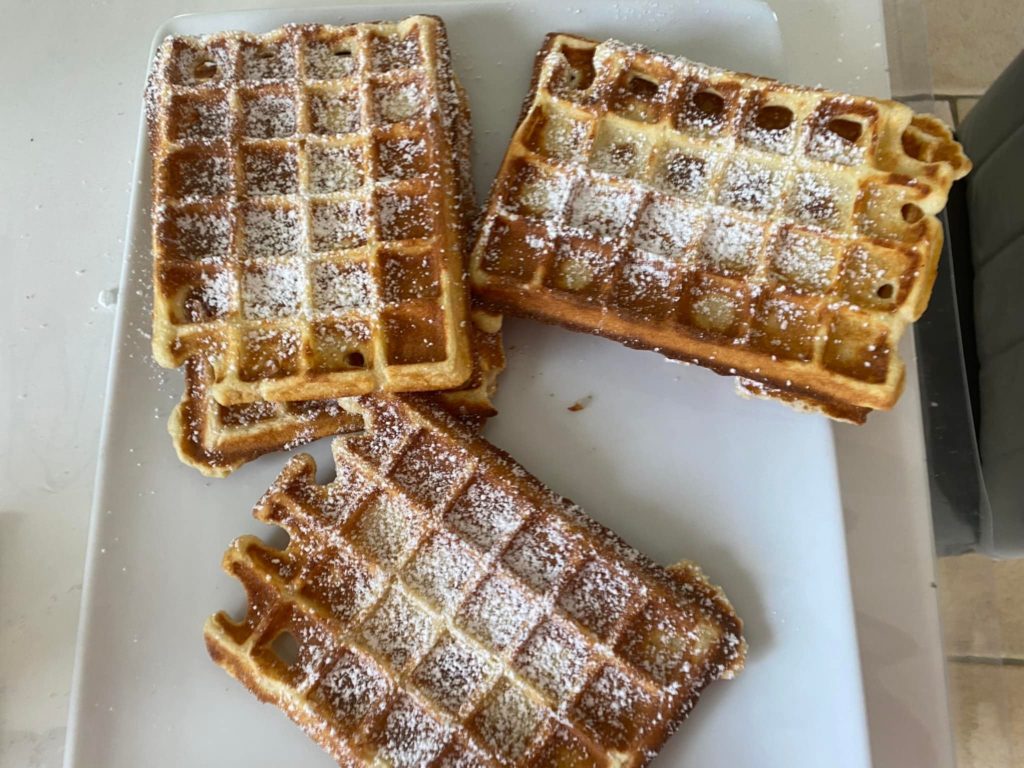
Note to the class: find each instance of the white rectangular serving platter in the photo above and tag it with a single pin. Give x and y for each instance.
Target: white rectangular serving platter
(665, 454)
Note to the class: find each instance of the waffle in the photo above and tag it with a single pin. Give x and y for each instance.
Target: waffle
(307, 218)
(781, 234)
(437, 606)
(217, 439)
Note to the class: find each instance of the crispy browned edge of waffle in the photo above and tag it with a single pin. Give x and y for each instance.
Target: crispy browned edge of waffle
(190, 429)
(685, 579)
(463, 206)
(818, 396)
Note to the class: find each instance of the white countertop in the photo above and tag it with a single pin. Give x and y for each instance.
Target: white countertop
(71, 74)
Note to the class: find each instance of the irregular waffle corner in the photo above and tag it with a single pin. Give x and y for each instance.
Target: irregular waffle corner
(782, 234)
(437, 606)
(217, 439)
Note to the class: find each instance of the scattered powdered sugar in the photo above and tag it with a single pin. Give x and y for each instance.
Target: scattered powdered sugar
(270, 172)
(441, 570)
(341, 224)
(499, 612)
(812, 200)
(509, 721)
(683, 173)
(393, 52)
(826, 145)
(563, 138)
(217, 292)
(411, 737)
(554, 658)
(334, 168)
(269, 116)
(195, 176)
(599, 594)
(195, 235)
(484, 514)
(388, 530)
(353, 690)
(329, 61)
(620, 153)
(268, 61)
(803, 260)
(612, 706)
(398, 103)
(195, 120)
(404, 216)
(334, 112)
(270, 353)
(543, 195)
(452, 673)
(273, 290)
(647, 275)
(341, 288)
(271, 232)
(732, 244)
(430, 470)
(401, 158)
(781, 314)
(199, 65)
(540, 555)
(667, 228)
(750, 187)
(405, 630)
(779, 140)
(601, 210)
(397, 630)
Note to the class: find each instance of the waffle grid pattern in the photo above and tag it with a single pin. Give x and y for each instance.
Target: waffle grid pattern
(307, 226)
(771, 231)
(217, 439)
(448, 610)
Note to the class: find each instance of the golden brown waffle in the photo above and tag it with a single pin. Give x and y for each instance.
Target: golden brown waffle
(217, 439)
(783, 234)
(437, 606)
(307, 216)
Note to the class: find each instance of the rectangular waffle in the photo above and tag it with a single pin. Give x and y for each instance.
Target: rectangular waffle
(782, 234)
(438, 606)
(217, 439)
(307, 216)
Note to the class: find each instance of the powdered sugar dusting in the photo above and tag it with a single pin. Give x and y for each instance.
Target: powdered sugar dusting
(499, 612)
(341, 288)
(285, 147)
(509, 721)
(411, 737)
(452, 673)
(555, 658)
(397, 631)
(485, 513)
(700, 166)
(441, 571)
(269, 116)
(480, 646)
(273, 290)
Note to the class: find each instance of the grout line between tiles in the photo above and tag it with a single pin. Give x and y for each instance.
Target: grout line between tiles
(992, 661)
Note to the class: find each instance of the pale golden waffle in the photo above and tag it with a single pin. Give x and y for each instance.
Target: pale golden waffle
(437, 606)
(217, 439)
(307, 211)
(781, 234)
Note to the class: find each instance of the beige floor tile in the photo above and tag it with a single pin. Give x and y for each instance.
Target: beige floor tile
(1010, 597)
(963, 106)
(971, 41)
(982, 606)
(987, 706)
